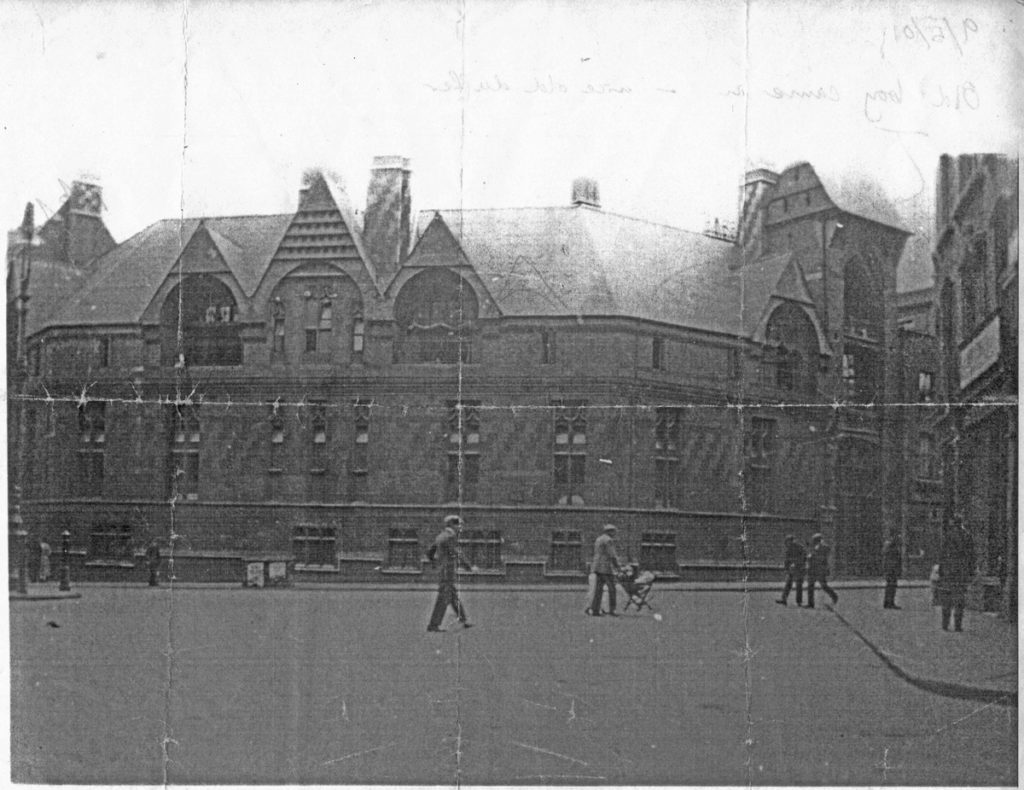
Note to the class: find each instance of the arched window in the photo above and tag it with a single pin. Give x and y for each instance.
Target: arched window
(436, 313)
(863, 310)
(974, 291)
(204, 310)
(790, 359)
(314, 314)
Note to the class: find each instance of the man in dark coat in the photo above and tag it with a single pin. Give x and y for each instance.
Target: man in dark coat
(604, 565)
(795, 562)
(892, 567)
(956, 570)
(153, 562)
(817, 570)
(445, 552)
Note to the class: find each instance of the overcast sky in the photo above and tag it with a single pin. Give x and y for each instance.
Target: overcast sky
(215, 108)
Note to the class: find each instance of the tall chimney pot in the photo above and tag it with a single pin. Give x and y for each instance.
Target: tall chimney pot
(387, 224)
(585, 192)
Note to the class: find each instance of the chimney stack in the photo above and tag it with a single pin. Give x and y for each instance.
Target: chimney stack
(387, 224)
(757, 188)
(585, 192)
(86, 197)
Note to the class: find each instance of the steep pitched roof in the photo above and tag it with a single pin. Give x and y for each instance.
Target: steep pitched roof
(51, 285)
(577, 261)
(436, 246)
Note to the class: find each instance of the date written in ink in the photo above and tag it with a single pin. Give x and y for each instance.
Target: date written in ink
(930, 32)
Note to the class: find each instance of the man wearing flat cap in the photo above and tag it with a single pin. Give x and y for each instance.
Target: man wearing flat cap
(604, 566)
(445, 552)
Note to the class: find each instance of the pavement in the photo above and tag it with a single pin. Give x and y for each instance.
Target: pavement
(978, 664)
(338, 685)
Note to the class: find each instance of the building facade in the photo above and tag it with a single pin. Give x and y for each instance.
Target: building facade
(976, 259)
(325, 385)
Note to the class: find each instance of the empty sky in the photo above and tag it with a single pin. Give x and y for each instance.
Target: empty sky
(217, 107)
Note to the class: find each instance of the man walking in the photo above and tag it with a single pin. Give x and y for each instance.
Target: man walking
(956, 569)
(604, 566)
(445, 551)
(795, 562)
(892, 566)
(817, 570)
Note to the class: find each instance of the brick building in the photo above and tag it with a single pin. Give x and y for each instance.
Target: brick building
(327, 384)
(920, 475)
(976, 259)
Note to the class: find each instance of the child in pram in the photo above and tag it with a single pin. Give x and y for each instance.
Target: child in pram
(637, 585)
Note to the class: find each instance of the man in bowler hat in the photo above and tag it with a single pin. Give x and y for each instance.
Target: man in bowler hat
(604, 565)
(445, 551)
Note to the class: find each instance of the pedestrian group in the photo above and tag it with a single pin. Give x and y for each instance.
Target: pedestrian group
(802, 564)
(812, 564)
(951, 578)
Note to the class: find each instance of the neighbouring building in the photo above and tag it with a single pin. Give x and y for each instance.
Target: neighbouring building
(325, 385)
(976, 259)
(916, 310)
(920, 473)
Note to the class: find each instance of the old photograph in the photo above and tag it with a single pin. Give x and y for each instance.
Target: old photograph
(537, 393)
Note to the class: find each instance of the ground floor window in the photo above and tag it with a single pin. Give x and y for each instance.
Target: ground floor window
(110, 542)
(481, 548)
(403, 548)
(658, 551)
(566, 551)
(314, 546)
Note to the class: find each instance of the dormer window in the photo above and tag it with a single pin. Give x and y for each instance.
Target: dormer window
(319, 322)
(791, 345)
(436, 312)
(197, 324)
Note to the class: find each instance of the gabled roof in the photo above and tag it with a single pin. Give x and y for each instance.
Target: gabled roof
(436, 246)
(122, 283)
(352, 222)
(760, 281)
(572, 261)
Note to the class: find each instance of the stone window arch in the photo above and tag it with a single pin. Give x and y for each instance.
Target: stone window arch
(436, 312)
(314, 316)
(792, 349)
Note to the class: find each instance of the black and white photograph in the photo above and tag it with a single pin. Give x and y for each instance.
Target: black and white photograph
(540, 393)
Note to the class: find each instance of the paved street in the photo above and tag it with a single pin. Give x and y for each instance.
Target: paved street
(344, 686)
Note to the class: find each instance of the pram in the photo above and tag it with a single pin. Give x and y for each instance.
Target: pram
(637, 585)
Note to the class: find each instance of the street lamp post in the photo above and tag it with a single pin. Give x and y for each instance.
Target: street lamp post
(65, 561)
